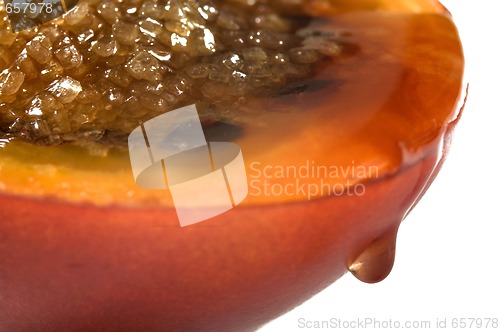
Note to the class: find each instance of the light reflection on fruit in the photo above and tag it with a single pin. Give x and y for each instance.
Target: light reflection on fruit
(82, 248)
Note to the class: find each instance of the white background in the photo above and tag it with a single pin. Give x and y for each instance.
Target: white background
(447, 262)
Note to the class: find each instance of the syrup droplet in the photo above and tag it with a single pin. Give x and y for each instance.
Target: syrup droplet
(375, 263)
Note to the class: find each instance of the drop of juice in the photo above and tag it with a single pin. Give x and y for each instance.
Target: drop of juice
(375, 263)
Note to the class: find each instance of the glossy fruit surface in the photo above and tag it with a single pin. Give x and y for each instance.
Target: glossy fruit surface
(83, 249)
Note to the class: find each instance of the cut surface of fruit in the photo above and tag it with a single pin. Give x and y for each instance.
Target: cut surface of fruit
(82, 248)
(375, 108)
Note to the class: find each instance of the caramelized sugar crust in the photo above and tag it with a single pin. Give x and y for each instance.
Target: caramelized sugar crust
(97, 73)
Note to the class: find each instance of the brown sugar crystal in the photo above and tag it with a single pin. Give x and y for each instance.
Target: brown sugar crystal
(102, 69)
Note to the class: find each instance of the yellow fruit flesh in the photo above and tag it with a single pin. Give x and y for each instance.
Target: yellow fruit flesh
(385, 107)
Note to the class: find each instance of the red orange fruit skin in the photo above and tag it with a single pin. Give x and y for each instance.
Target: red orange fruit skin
(79, 268)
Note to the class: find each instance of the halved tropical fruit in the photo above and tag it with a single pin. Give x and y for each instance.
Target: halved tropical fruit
(342, 110)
